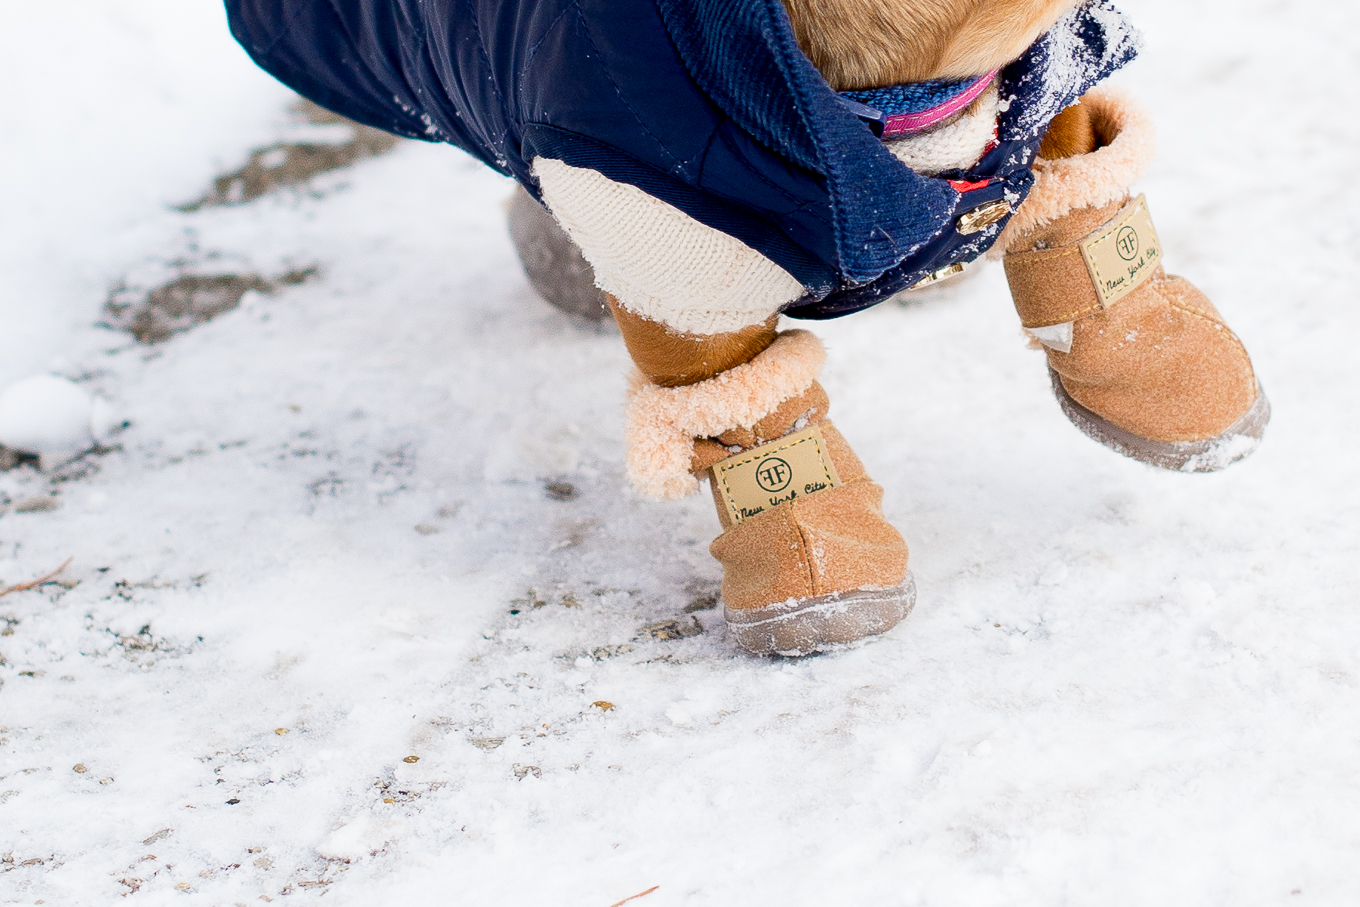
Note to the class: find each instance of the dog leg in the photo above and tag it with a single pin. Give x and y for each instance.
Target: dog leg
(1140, 360)
(809, 561)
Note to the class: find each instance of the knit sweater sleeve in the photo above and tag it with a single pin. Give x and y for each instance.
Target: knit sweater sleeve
(658, 261)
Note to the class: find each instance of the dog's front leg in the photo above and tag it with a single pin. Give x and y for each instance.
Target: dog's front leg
(809, 561)
(1141, 361)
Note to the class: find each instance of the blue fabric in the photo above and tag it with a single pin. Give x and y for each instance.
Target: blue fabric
(708, 105)
(914, 97)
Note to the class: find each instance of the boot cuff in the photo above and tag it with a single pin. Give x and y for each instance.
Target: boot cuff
(1087, 180)
(663, 422)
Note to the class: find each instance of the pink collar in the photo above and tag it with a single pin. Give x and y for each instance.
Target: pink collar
(902, 110)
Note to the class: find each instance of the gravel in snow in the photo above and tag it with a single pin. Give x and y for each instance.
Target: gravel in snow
(359, 605)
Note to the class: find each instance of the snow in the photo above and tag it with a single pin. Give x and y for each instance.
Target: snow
(325, 542)
(46, 415)
(364, 836)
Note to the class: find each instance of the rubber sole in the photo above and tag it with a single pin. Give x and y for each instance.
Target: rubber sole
(1210, 455)
(816, 624)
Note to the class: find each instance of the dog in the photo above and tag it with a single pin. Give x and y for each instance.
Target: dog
(719, 164)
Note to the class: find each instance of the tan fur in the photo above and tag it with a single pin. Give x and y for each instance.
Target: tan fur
(1071, 133)
(859, 44)
(673, 359)
(1122, 143)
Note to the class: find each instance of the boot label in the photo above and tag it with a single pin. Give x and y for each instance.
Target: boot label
(762, 478)
(1122, 254)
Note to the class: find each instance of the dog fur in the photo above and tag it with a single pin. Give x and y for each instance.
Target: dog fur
(859, 44)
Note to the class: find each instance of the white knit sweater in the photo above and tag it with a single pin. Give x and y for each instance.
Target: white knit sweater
(666, 266)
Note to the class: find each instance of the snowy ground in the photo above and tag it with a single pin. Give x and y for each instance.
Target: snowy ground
(330, 630)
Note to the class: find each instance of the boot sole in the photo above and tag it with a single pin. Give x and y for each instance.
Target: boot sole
(1211, 455)
(807, 625)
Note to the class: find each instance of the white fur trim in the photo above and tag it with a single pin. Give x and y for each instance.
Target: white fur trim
(658, 261)
(955, 146)
(664, 421)
(1087, 180)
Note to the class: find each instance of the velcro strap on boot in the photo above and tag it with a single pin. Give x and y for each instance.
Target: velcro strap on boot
(1054, 286)
(764, 477)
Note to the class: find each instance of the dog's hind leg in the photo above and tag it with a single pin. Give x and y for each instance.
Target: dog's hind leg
(556, 269)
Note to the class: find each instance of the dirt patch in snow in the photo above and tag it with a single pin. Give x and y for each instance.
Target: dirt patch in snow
(188, 300)
(329, 142)
(285, 163)
(9, 459)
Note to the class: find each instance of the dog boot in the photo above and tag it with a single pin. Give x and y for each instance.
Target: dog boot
(809, 561)
(1140, 361)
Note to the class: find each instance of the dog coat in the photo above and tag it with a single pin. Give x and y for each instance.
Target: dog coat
(707, 106)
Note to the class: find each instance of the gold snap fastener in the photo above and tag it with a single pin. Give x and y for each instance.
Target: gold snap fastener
(982, 217)
(944, 273)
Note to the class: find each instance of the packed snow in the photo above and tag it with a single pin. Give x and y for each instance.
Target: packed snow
(360, 610)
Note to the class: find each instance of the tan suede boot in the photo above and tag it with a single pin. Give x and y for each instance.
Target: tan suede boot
(809, 561)
(1140, 361)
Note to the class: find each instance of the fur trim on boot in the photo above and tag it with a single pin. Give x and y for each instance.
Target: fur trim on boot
(809, 560)
(663, 422)
(1093, 180)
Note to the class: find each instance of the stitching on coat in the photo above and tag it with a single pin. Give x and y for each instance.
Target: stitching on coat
(423, 50)
(287, 27)
(746, 164)
(486, 58)
(701, 156)
(533, 51)
(618, 91)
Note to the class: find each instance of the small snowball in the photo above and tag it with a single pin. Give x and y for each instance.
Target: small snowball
(359, 838)
(1054, 574)
(47, 416)
(684, 714)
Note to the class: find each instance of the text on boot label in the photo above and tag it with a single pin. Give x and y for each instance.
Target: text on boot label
(1123, 254)
(764, 477)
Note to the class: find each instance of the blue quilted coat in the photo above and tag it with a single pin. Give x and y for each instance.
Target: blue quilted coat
(708, 105)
